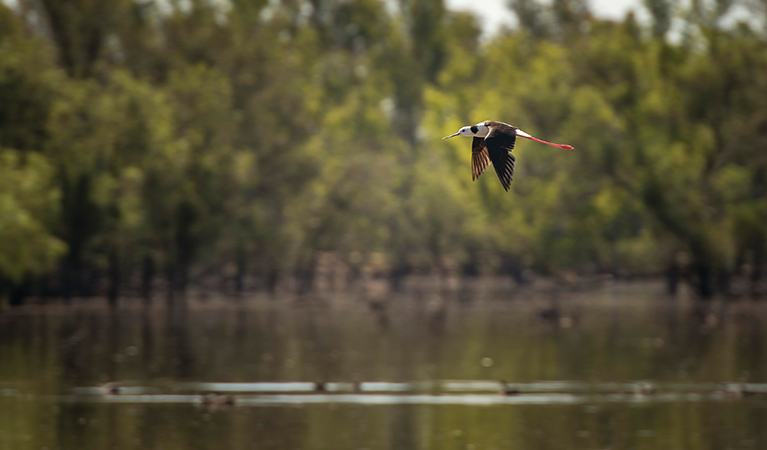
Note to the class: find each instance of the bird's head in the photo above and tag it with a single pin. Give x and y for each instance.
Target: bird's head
(479, 130)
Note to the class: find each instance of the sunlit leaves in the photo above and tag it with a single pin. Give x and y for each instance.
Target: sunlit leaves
(27, 204)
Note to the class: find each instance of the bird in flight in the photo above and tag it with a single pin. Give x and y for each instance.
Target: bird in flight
(493, 142)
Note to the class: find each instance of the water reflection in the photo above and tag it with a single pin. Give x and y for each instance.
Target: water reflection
(616, 372)
(382, 399)
(641, 388)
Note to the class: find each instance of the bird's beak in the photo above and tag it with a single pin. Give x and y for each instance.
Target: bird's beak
(452, 135)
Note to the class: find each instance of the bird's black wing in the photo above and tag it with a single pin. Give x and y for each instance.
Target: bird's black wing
(500, 142)
(479, 158)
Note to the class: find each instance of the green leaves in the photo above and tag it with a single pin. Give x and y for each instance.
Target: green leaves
(253, 138)
(27, 208)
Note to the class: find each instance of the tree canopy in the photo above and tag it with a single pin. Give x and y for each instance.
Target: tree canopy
(180, 141)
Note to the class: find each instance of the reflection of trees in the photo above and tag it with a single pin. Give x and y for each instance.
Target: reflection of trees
(114, 351)
(403, 428)
(50, 353)
(320, 345)
(178, 345)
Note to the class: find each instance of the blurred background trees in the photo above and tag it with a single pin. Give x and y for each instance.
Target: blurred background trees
(148, 144)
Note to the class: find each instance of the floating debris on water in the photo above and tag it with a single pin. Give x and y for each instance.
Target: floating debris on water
(111, 388)
(644, 388)
(425, 392)
(214, 399)
(507, 389)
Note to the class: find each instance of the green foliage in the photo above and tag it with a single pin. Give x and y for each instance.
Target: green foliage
(27, 202)
(247, 138)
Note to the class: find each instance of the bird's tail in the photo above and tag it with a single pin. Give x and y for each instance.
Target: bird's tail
(521, 133)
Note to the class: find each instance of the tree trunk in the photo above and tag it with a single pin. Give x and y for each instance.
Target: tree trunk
(272, 279)
(113, 291)
(147, 277)
(673, 275)
(184, 248)
(757, 268)
(15, 292)
(80, 220)
(704, 279)
(239, 276)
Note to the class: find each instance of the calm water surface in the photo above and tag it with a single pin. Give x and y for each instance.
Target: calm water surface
(608, 370)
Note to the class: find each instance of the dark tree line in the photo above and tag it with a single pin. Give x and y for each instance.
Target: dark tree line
(148, 145)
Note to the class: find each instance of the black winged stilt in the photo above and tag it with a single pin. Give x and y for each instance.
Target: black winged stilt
(493, 142)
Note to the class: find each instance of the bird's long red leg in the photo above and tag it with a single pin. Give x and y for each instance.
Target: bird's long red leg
(521, 133)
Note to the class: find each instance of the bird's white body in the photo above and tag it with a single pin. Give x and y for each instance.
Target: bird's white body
(493, 143)
(481, 130)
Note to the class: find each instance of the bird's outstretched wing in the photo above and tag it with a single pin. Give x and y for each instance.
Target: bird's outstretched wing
(479, 158)
(500, 142)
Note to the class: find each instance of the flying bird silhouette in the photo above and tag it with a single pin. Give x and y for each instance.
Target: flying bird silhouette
(493, 142)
